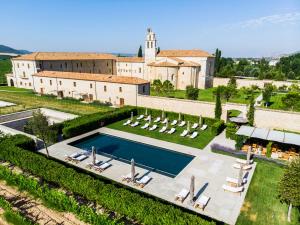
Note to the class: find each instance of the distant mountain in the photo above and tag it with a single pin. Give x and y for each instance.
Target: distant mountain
(6, 49)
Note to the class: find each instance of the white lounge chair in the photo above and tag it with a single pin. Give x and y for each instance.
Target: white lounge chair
(157, 120)
(171, 131)
(163, 129)
(233, 189)
(146, 125)
(142, 182)
(195, 125)
(127, 177)
(165, 121)
(73, 156)
(140, 117)
(181, 124)
(153, 127)
(135, 124)
(103, 167)
(243, 161)
(204, 126)
(194, 134)
(80, 158)
(184, 133)
(181, 196)
(235, 181)
(148, 118)
(90, 164)
(174, 122)
(202, 202)
(245, 167)
(127, 122)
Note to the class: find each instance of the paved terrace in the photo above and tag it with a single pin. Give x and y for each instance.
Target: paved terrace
(210, 171)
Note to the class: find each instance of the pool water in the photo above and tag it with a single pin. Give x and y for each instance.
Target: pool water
(157, 159)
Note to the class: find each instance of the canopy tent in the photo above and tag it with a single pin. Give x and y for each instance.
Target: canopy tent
(268, 134)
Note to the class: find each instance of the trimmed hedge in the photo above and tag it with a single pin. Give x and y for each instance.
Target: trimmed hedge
(133, 205)
(22, 141)
(231, 129)
(217, 127)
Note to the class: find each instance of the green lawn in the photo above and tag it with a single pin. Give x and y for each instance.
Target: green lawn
(26, 99)
(200, 141)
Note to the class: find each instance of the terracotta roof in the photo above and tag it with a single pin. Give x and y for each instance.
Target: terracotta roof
(131, 59)
(92, 77)
(177, 63)
(65, 56)
(184, 62)
(163, 64)
(184, 53)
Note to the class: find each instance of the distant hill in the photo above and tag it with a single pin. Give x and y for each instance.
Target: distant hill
(6, 49)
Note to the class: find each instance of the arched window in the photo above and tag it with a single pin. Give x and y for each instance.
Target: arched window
(151, 44)
(172, 77)
(147, 44)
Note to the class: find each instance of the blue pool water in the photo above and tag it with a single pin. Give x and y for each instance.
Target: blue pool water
(154, 158)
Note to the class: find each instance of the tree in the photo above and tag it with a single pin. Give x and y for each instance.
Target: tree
(40, 127)
(167, 87)
(217, 60)
(291, 100)
(250, 113)
(158, 50)
(157, 86)
(289, 186)
(232, 82)
(267, 93)
(140, 52)
(218, 106)
(191, 92)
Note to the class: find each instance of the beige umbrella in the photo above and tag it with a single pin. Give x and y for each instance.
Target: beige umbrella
(192, 188)
(150, 120)
(188, 126)
(146, 112)
(248, 155)
(241, 175)
(179, 117)
(167, 123)
(94, 155)
(131, 116)
(132, 170)
(200, 120)
(163, 114)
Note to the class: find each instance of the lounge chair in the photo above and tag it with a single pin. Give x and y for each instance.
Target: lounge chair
(235, 181)
(202, 202)
(174, 122)
(148, 118)
(163, 129)
(145, 126)
(135, 124)
(243, 161)
(233, 189)
(127, 177)
(140, 117)
(245, 167)
(165, 121)
(204, 126)
(194, 134)
(181, 196)
(171, 131)
(73, 156)
(184, 133)
(90, 164)
(157, 120)
(102, 167)
(153, 127)
(80, 158)
(195, 125)
(182, 123)
(127, 122)
(142, 182)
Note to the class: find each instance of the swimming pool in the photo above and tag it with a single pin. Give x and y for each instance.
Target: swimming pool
(157, 159)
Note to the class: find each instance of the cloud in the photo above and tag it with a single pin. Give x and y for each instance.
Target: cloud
(287, 18)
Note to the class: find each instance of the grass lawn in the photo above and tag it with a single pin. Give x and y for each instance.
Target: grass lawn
(26, 99)
(200, 141)
(276, 102)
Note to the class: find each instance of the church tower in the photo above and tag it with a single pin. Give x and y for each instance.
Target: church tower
(150, 46)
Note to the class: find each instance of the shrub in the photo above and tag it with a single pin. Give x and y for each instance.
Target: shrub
(269, 149)
(217, 127)
(191, 92)
(231, 129)
(23, 141)
(239, 142)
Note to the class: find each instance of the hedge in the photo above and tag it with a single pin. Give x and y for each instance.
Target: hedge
(22, 141)
(231, 129)
(217, 127)
(136, 206)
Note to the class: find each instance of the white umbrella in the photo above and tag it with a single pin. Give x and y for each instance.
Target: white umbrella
(132, 170)
(146, 112)
(192, 188)
(179, 117)
(248, 155)
(163, 114)
(94, 154)
(131, 116)
(200, 120)
(150, 120)
(240, 178)
(188, 126)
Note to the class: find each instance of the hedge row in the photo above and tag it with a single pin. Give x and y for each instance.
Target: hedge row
(133, 205)
(91, 122)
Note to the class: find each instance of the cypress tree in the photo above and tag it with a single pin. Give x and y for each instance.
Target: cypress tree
(140, 52)
(218, 107)
(250, 113)
(217, 60)
(158, 50)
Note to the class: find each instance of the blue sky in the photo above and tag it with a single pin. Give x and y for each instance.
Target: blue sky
(237, 27)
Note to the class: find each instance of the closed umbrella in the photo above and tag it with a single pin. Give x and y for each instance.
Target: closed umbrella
(188, 126)
(146, 112)
(179, 117)
(192, 188)
(240, 178)
(163, 114)
(248, 155)
(167, 123)
(150, 120)
(94, 154)
(200, 120)
(131, 116)
(132, 170)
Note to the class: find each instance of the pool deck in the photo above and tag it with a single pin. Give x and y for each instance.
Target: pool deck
(210, 171)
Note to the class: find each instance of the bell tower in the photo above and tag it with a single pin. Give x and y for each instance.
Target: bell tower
(150, 46)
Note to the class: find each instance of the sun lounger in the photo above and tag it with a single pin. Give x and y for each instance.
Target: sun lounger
(242, 161)
(182, 123)
(245, 167)
(194, 134)
(80, 158)
(90, 164)
(181, 196)
(163, 129)
(157, 120)
(174, 122)
(195, 125)
(204, 126)
(164, 121)
(184, 133)
(140, 117)
(153, 127)
(202, 202)
(148, 118)
(73, 156)
(142, 182)
(235, 181)
(127, 122)
(145, 126)
(171, 131)
(127, 177)
(233, 189)
(102, 167)
(135, 124)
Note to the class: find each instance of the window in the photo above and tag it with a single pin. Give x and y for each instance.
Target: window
(151, 44)
(126, 64)
(51, 66)
(144, 89)
(50, 82)
(40, 65)
(182, 73)
(29, 84)
(106, 64)
(41, 81)
(80, 64)
(21, 83)
(77, 65)
(172, 77)
(140, 70)
(18, 65)
(74, 84)
(99, 71)
(61, 66)
(105, 88)
(94, 65)
(28, 67)
(90, 71)
(24, 74)
(60, 83)
(66, 65)
(91, 85)
(120, 89)
(147, 44)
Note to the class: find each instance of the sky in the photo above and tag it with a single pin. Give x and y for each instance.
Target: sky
(240, 28)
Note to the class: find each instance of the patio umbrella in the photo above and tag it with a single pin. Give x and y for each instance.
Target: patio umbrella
(132, 170)
(146, 112)
(240, 178)
(192, 188)
(179, 117)
(200, 120)
(94, 154)
(167, 123)
(248, 155)
(131, 116)
(163, 114)
(150, 120)
(188, 126)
